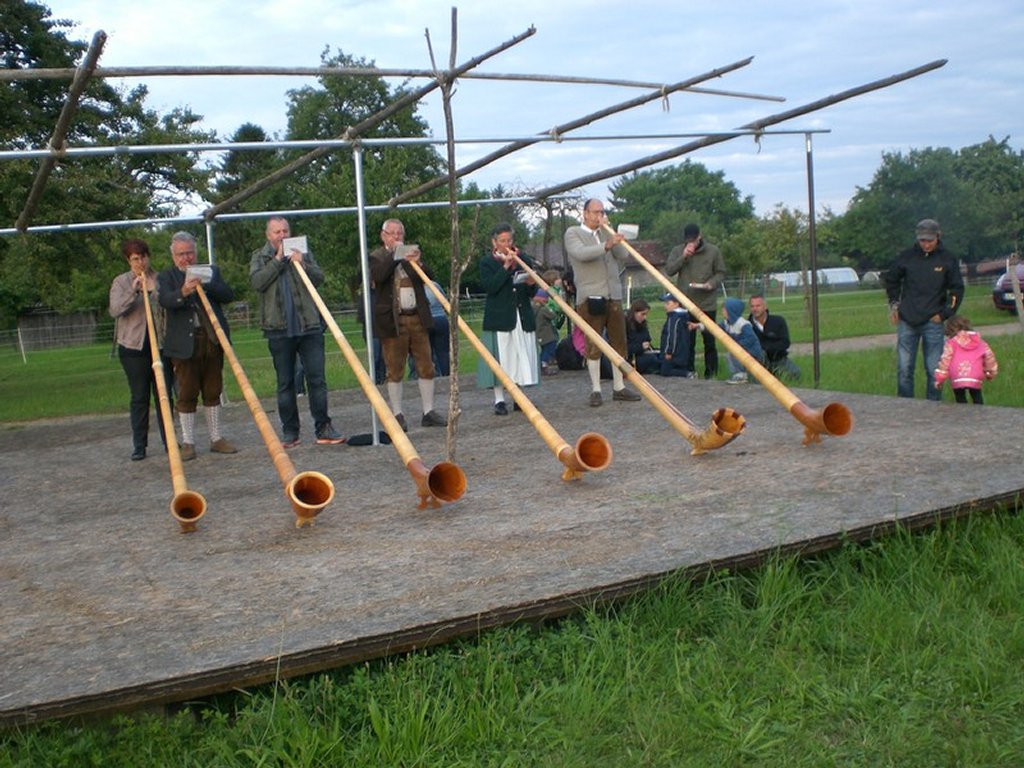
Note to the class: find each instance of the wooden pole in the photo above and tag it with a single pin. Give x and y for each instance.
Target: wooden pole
(756, 125)
(56, 142)
(356, 130)
(508, 149)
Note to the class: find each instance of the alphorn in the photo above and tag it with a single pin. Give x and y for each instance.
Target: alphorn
(446, 481)
(186, 506)
(834, 419)
(592, 451)
(309, 492)
(726, 423)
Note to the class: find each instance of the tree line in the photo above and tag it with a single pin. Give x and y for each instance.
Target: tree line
(977, 192)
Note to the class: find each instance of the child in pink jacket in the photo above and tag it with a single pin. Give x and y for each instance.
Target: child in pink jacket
(966, 361)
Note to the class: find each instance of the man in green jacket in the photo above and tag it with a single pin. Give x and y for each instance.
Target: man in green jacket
(701, 271)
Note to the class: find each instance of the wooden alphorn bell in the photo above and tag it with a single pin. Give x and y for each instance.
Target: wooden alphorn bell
(726, 423)
(445, 482)
(186, 506)
(592, 451)
(309, 492)
(834, 419)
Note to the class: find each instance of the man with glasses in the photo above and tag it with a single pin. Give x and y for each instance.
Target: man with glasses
(924, 287)
(192, 344)
(597, 259)
(402, 321)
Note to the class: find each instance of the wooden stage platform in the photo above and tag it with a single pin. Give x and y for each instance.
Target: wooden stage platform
(107, 606)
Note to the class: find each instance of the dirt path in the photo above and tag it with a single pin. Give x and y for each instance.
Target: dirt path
(886, 340)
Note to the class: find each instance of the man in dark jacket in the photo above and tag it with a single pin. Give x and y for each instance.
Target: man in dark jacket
(192, 344)
(925, 288)
(773, 333)
(291, 323)
(700, 271)
(402, 320)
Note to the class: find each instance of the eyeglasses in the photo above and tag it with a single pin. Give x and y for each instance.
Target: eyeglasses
(392, 233)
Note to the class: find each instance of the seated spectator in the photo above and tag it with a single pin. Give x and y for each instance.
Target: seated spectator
(569, 354)
(674, 358)
(641, 354)
(773, 333)
(741, 330)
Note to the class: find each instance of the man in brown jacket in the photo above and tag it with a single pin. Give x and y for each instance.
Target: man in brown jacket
(402, 321)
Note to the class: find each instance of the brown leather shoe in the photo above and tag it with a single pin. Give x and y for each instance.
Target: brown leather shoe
(220, 445)
(595, 399)
(625, 394)
(188, 451)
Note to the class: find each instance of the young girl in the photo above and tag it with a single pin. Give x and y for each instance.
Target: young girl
(966, 361)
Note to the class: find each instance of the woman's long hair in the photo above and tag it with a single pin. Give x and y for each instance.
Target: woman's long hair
(632, 324)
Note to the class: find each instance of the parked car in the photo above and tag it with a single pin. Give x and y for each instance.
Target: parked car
(1002, 291)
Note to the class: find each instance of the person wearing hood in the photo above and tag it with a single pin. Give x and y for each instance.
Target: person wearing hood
(967, 361)
(925, 288)
(741, 330)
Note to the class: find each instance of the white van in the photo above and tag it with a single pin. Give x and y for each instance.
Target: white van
(845, 277)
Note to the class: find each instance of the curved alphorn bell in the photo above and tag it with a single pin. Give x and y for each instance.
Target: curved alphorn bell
(726, 423)
(309, 492)
(592, 451)
(834, 419)
(186, 506)
(446, 481)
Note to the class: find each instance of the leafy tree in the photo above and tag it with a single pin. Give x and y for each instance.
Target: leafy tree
(236, 239)
(995, 175)
(29, 38)
(325, 112)
(662, 201)
(72, 271)
(976, 193)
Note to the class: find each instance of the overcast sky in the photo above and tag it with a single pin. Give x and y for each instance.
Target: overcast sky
(802, 51)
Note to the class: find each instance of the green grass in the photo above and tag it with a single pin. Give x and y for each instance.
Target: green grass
(82, 380)
(873, 372)
(904, 652)
(843, 314)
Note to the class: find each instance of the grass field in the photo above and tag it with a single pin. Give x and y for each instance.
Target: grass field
(88, 379)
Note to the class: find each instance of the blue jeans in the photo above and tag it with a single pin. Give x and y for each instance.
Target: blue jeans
(310, 350)
(932, 340)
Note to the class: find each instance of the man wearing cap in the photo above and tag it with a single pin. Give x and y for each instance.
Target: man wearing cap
(701, 271)
(924, 287)
(674, 357)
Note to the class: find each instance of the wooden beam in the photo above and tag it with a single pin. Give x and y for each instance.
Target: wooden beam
(56, 143)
